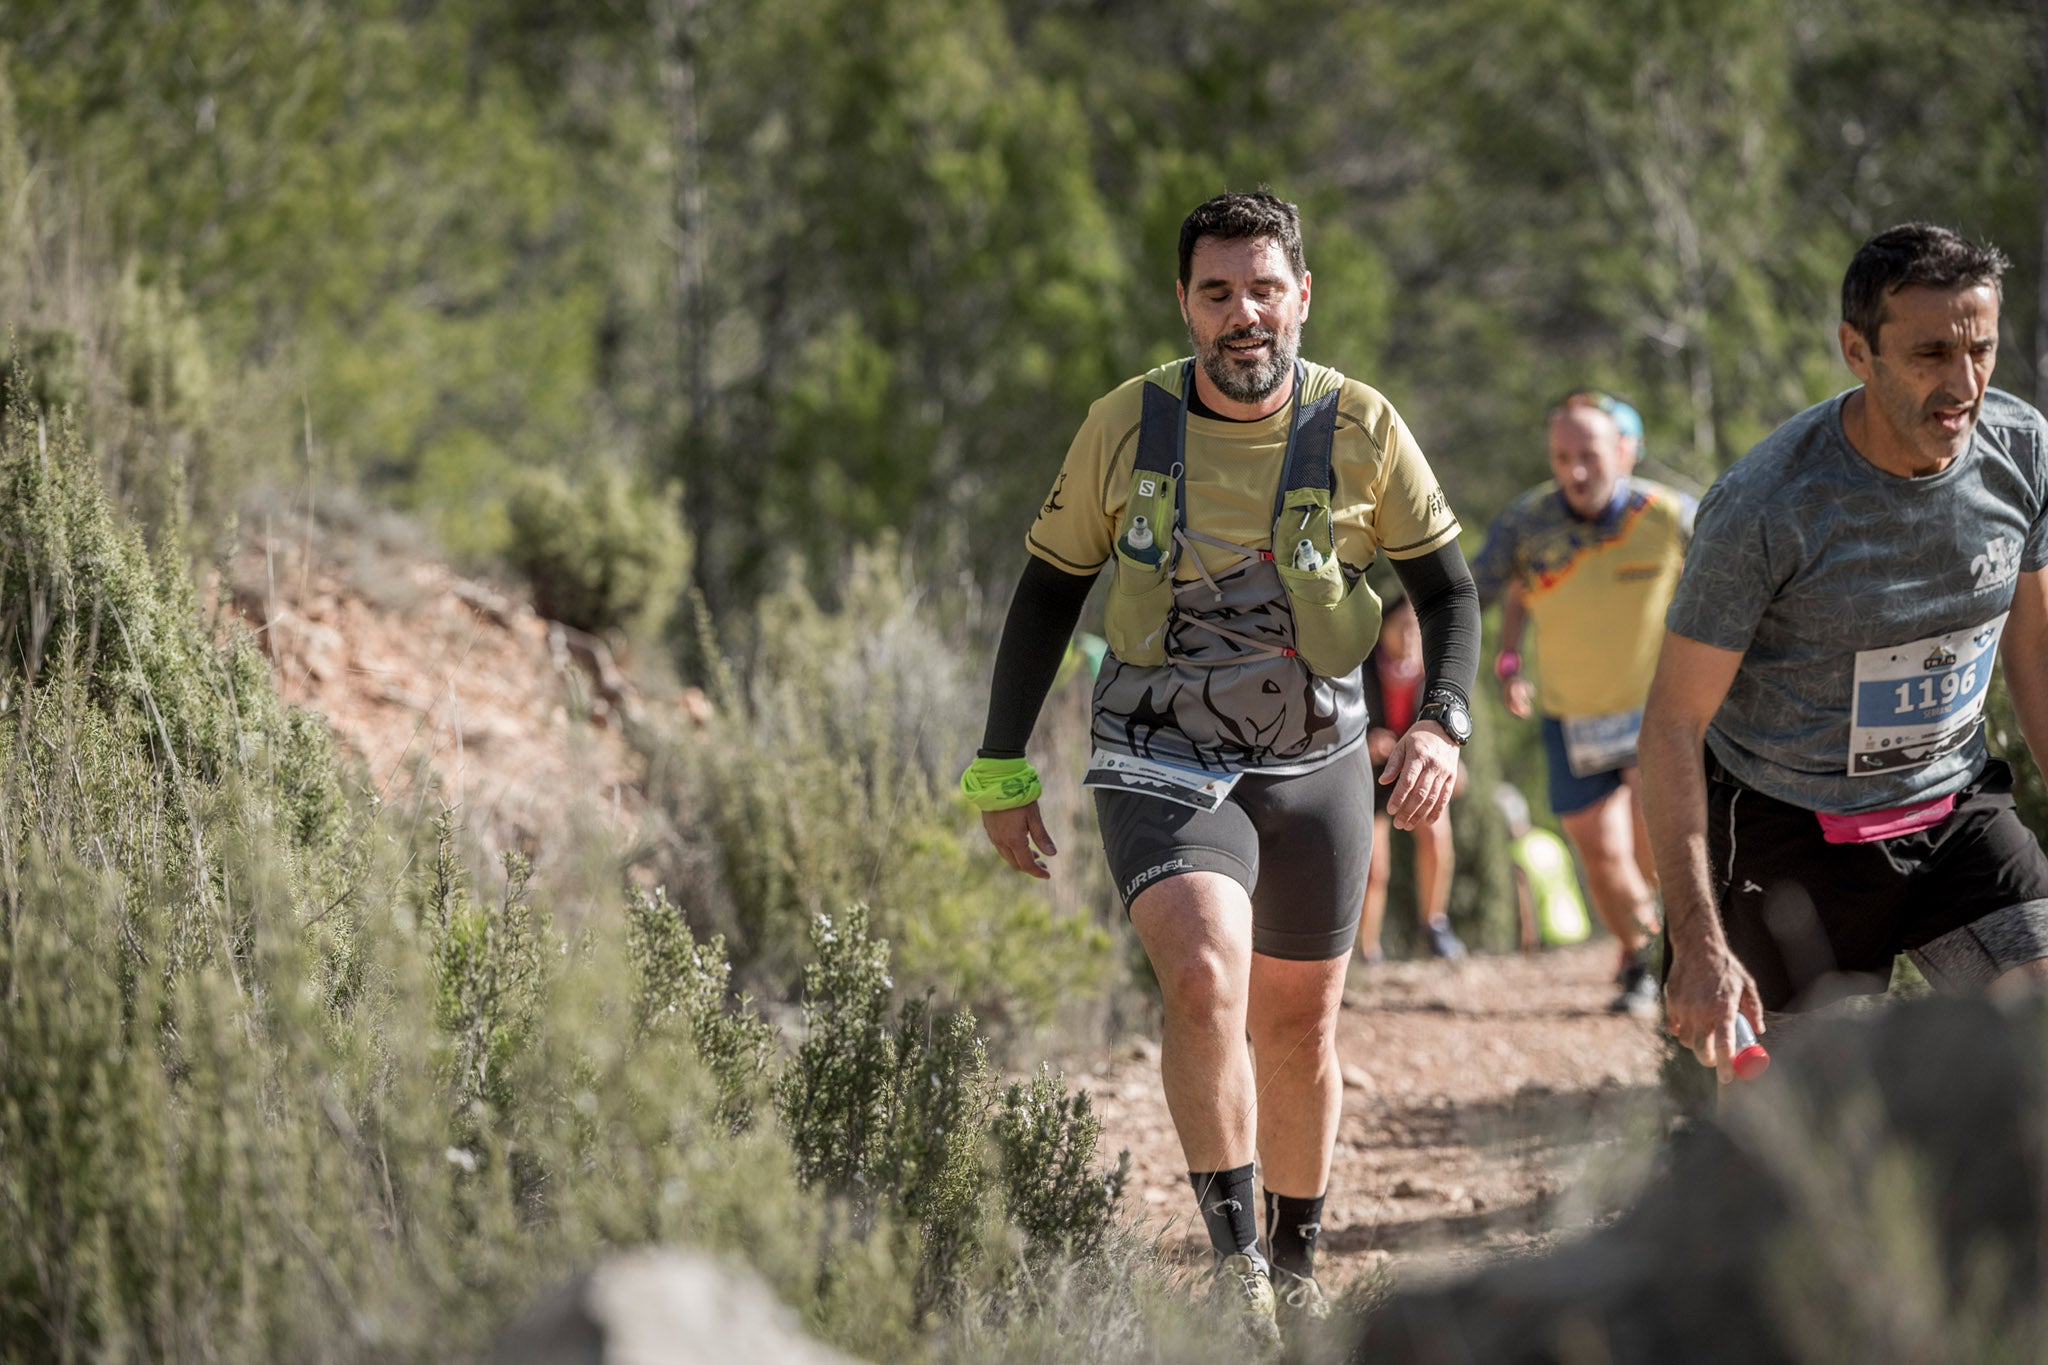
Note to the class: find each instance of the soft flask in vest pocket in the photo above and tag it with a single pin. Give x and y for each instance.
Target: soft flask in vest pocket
(1336, 617)
(1140, 604)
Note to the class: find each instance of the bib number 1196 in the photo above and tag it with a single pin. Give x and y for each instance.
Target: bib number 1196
(1921, 700)
(1931, 696)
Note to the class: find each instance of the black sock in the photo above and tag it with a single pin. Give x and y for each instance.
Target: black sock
(1228, 1200)
(1292, 1229)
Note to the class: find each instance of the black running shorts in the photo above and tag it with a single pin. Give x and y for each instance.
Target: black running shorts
(1298, 845)
(1813, 921)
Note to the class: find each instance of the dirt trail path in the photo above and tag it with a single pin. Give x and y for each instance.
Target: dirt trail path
(1490, 1106)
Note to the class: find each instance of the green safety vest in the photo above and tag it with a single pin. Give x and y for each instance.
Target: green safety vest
(1336, 616)
(1553, 887)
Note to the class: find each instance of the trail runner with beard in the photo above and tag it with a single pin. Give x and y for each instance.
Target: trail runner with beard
(1237, 497)
(1819, 794)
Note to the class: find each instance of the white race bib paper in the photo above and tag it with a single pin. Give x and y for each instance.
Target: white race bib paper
(1600, 744)
(1187, 786)
(1918, 701)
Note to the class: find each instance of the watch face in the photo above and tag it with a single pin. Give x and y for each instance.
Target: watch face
(1455, 719)
(1458, 723)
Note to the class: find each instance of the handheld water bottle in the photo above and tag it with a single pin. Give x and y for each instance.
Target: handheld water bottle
(1139, 537)
(1307, 557)
(1750, 1060)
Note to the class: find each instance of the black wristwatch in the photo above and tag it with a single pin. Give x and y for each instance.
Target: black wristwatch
(1446, 710)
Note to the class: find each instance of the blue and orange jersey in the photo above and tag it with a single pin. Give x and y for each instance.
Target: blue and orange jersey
(1595, 591)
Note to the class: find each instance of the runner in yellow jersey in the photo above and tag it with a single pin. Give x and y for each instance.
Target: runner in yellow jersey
(1591, 559)
(1236, 498)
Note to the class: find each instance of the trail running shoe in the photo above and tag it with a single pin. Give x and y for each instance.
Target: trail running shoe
(1241, 1282)
(1298, 1299)
(1442, 941)
(1640, 995)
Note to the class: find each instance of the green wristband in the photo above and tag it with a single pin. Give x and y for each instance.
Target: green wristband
(1000, 783)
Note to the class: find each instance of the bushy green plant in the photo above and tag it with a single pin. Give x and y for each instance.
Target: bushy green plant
(902, 1119)
(828, 777)
(268, 1095)
(676, 978)
(834, 1099)
(603, 553)
(488, 975)
(1045, 1142)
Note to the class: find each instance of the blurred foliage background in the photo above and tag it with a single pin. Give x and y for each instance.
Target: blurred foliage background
(841, 266)
(848, 270)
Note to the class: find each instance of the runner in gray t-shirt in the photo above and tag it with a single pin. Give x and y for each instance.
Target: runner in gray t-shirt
(1815, 777)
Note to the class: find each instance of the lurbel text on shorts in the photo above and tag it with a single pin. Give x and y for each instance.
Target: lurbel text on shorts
(1154, 873)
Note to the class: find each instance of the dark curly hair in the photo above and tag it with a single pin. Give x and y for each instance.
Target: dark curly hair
(1233, 217)
(1913, 254)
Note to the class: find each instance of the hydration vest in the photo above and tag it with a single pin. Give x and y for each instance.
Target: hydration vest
(1336, 616)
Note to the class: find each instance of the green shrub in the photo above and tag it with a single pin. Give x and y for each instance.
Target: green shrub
(488, 976)
(603, 553)
(1045, 1140)
(268, 1095)
(678, 978)
(902, 1120)
(827, 777)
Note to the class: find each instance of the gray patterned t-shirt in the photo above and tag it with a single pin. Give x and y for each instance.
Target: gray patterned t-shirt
(1867, 606)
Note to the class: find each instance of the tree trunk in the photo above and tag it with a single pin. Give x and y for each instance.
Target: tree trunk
(675, 27)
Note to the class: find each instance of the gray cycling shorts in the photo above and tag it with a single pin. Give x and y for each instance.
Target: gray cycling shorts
(1974, 956)
(1299, 845)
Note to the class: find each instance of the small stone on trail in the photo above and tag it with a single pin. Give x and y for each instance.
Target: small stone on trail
(1356, 1077)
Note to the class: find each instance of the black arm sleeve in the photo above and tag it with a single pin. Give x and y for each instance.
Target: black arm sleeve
(1043, 611)
(1447, 608)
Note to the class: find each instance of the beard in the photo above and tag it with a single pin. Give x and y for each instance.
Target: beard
(1243, 381)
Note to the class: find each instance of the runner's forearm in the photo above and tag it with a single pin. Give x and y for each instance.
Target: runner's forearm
(1674, 795)
(1447, 609)
(1512, 616)
(1043, 612)
(2023, 655)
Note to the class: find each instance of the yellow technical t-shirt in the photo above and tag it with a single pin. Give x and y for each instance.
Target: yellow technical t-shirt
(1209, 708)
(1595, 591)
(1384, 500)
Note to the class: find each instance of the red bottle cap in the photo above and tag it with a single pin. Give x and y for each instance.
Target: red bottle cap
(1750, 1060)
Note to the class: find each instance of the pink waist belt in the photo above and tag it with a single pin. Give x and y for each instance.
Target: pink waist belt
(1873, 825)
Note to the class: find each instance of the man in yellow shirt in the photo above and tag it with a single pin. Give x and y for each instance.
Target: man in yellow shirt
(1592, 558)
(1237, 497)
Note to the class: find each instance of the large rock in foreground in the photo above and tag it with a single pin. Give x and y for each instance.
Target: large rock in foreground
(1877, 1197)
(661, 1308)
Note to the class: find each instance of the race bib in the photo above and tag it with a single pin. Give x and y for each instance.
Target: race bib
(1916, 702)
(1187, 786)
(1601, 744)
